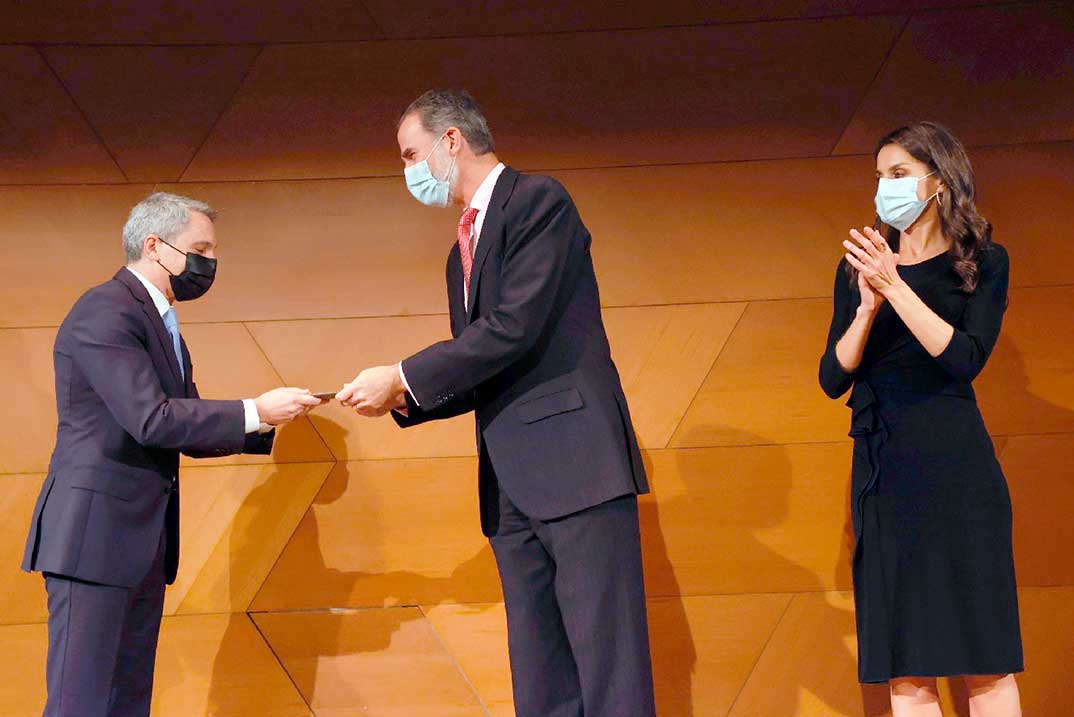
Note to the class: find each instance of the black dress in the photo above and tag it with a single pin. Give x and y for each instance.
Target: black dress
(934, 586)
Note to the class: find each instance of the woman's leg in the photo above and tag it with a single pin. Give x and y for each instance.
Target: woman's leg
(914, 697)
(993, 696)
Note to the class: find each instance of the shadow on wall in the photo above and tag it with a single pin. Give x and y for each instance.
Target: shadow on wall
(253, 519)
(395, 587)
(741, 522)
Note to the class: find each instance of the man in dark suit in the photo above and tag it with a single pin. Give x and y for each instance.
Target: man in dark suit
(105, 530)
(560, 468)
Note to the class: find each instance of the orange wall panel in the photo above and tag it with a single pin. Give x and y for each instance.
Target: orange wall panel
(385, 533)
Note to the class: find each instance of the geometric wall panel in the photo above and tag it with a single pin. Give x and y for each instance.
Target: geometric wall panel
(721, 232)
(1031, 219)
(28, 424)
(235, 522)
(58, 242)
(700, 156)
(192, 22)
(663, 353)
(753, 91)
(476, 636)
(703, 649)
(993, 75)
(380, 663)
(809, 666)
(201, 21)
(22, 595)
(286, 250)
(25, 649)
(1028, 383)
(338, 249)
(206, 665)
(228, 364)
(43, 136)
(747, 519)
(220, 665)
(763, 388)
(1047, 616)
(672, 234)
(387, 533)
(152, 106)
(1038, 470)
(323, 355)
(437, 18)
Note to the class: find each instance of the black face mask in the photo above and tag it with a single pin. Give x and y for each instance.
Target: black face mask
(195, 279)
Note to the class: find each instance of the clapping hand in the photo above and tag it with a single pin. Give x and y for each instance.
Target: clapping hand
(875, 261)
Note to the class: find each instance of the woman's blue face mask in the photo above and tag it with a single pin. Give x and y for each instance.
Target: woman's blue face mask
(897, 204)
(424, 186)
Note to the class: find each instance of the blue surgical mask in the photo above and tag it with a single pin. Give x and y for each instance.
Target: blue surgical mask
(425, 187)
(897, 204)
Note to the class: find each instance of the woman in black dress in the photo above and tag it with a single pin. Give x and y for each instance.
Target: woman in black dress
(919, 300)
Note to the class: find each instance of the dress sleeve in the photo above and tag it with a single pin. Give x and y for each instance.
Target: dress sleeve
(976, 333)
(833, 379)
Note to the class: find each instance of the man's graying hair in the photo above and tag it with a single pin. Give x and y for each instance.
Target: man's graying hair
(163, 215)
(440, 109)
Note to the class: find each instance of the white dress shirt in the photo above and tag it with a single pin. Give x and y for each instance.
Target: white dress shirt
(480, 201)
(160, 301)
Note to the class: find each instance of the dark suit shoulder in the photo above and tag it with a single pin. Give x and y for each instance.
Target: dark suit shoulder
(540, 185)
(536, 197)
(104, 308)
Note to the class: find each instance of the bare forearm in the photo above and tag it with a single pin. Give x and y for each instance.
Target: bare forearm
(927, 327)
(850, 348)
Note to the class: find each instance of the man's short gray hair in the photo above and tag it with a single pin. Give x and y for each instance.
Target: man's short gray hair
(160, 214)
(440, 109)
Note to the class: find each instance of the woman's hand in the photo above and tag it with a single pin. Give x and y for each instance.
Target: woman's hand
(871, 299)
(874, 260)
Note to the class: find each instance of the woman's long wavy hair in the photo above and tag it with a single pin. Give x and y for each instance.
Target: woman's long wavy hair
(961, 223)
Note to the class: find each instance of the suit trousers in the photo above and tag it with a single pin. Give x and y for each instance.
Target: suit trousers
(102, 644)
(577, 630)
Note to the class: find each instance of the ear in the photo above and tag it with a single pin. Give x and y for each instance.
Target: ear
(453, 137)
(151, 247)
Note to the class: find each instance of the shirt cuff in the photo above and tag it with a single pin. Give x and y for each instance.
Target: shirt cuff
(253, 421)
(402, 377)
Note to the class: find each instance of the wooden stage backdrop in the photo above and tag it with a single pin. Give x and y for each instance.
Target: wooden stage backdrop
(718, 153)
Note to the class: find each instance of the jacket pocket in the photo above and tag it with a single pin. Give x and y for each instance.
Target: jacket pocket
(552, 404)
(117, 485)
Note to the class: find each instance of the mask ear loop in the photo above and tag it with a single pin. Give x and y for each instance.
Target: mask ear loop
(450, 166)
(176, 249)
(936, 194)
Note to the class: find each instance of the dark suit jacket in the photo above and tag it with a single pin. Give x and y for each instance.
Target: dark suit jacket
(531, 357)
(125, 413)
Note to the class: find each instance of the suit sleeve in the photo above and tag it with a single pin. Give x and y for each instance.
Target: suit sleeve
(255, 444)
(416, 415)
(833, 379)
(537, 253)
(976, 334)
(109, 349)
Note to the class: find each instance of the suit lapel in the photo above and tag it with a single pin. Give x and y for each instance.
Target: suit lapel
(456, 302)
(164, 339)
(491, 230)
(188, 369)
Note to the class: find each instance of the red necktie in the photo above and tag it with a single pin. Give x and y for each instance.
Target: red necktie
(466, 249)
